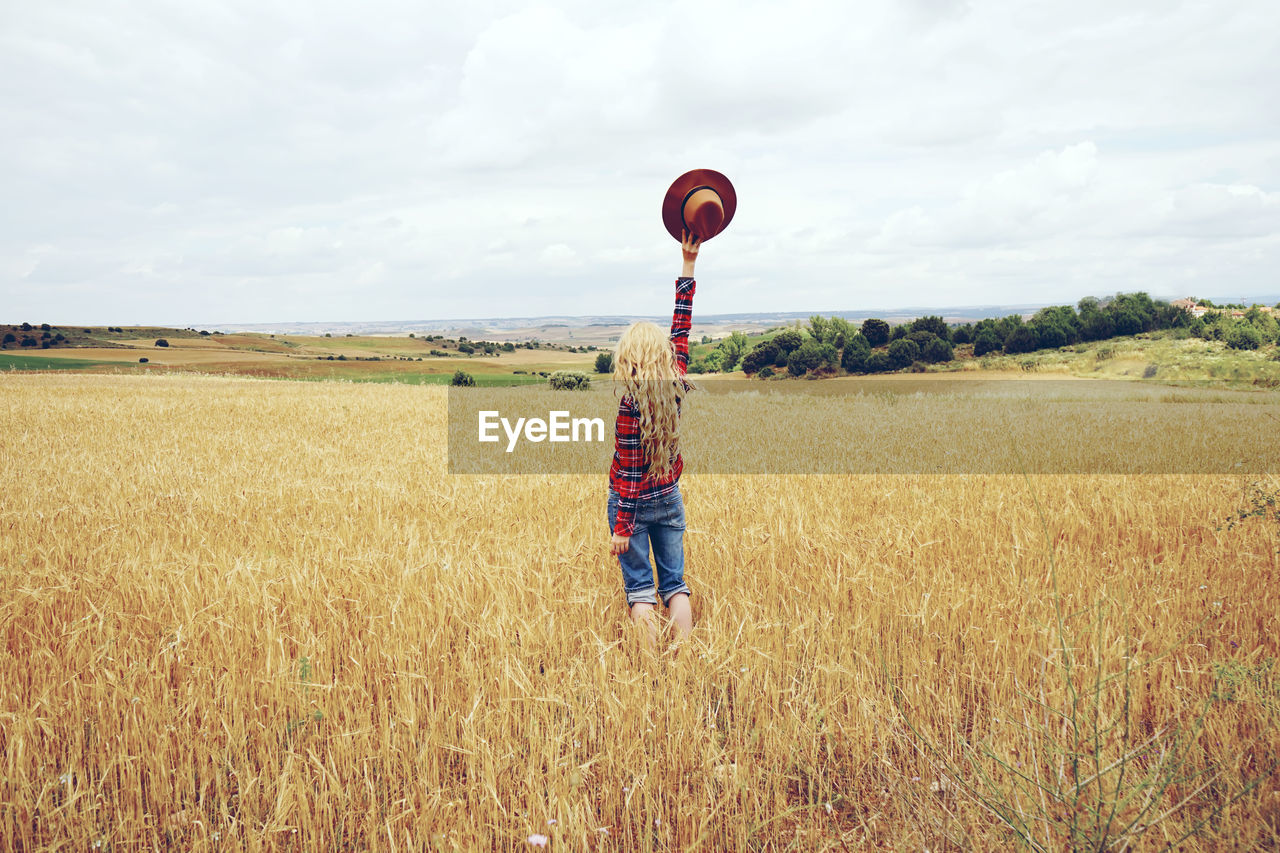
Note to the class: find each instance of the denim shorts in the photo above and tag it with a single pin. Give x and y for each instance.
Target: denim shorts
(660, 529)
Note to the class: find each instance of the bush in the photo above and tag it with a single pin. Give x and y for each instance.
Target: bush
(963, 335)
(143, 360)
(762, 355)
(876, 332)
(788, 341)
(604, 362)
(1051, 336)
(1021, 339)
(877, 362)
(856, 350)
(161, 342)
(10, 338)
(809, 356)
(934, 325)
(902, 352)
(466, 348)
(765, 372)
(29, 341)
(937, 351)
(921, 338)
(567, 380)
(731, 350)
(918, 367)
(462, 379)
(1244, 336)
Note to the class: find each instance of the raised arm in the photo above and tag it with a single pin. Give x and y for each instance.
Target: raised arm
(682, 317)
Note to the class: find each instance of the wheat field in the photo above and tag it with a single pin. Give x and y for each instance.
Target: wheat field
(254, 615)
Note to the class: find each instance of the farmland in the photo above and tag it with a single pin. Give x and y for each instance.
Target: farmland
(241, 614)
(403, 359)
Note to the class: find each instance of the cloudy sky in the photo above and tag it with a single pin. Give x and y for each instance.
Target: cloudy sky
(196, 162)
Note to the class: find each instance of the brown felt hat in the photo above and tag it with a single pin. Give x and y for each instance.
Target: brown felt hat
(702, 201)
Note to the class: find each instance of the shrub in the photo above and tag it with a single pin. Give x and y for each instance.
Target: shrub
(937, 351)
(466, 348)
(856, 350)
(918, 367)
(765, 372)
(877, 362)
(45, 327)
(28, 341)
(567, 380)
(788, 341)
(731, 350)
(1051, 336)
(1021, 339)
(604, 362)
(902, 352)
(963, 335)
(709, 363)
(1244, 336)
(10, 338)
(762, 355)
(876, 332)
(44, 345)
(934, 325)
(809, 356)
(1098, 327)
(462, 379)
(204, 332)
(161, 342)
(921, 337)
(143, 360)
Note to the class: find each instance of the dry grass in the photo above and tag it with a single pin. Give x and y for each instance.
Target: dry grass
(260, 615)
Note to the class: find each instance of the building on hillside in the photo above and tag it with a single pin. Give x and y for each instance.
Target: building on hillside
(1189, 305)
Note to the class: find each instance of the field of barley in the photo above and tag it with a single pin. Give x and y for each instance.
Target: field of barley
(257, 615)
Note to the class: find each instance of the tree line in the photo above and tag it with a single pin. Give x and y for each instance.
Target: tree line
(831, 344)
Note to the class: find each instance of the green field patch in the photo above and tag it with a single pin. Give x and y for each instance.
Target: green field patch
(43, 362)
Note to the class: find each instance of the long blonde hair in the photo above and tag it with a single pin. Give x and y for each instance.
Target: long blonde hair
(645, 365)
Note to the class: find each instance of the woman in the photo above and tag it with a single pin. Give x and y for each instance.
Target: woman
(646, 510)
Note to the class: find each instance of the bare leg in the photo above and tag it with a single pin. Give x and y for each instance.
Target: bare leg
(681, 614)
(642, 615)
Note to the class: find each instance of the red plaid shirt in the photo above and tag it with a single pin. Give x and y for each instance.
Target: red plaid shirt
(629, 474)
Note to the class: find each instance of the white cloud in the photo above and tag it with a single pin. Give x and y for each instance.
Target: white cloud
(206, 162)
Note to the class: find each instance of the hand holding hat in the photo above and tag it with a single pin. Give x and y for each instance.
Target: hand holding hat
(701, 202)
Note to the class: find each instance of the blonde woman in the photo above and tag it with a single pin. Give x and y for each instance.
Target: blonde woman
(646, 510)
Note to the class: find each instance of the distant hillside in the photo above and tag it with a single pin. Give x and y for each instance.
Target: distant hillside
(589, 326)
